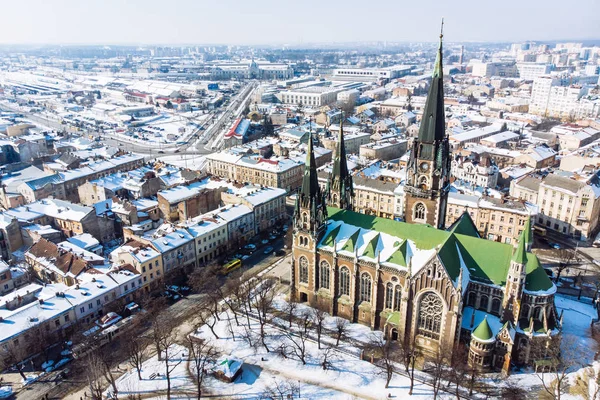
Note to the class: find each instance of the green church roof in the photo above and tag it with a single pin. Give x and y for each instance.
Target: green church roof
(483, 331)
(400, 256)
(371, 250)
(350, 244)
(465, 226)
(487, 261)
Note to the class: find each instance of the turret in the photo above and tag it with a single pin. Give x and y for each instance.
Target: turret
(482, 345)
(515, 280)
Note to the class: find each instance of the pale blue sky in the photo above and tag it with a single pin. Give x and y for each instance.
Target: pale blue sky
(292, 22)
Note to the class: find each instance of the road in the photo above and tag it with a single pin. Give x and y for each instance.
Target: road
(199, 142)
(214, 136)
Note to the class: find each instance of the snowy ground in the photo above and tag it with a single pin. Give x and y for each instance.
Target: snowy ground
(577, 320)
(190, 161)
(153, 375)
(349, 377)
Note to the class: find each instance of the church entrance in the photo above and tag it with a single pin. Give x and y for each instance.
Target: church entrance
(303, 297)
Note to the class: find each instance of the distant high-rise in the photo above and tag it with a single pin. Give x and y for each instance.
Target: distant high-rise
(462, 55)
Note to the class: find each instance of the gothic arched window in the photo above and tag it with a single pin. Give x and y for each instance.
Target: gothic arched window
(365, 287)
(496, 306)
(419, 211)
(344, 282)
(324, 275)
(430, 315)
(303, 274)
(483, 303)
(389, 295)
(397, 298)
(471, 299)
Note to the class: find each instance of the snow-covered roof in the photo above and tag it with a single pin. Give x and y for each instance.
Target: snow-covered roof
(172, 240)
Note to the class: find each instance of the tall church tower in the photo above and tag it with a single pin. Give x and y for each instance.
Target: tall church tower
(428, 174)
(310, 219)
(340, 191)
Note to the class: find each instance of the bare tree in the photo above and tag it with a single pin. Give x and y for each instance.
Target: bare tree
(328, 356)
(553, 361)
(566, 257)
(94, 373)
(98, 367)
(513, 391)
(436, 369)
(229, 294)
(297, 338)
(208, 315)
(341, 329)
(13, 357)
(290, 311)
(458, 371)
(384, 355)
(318, 319)
(201, 354)
(262, 301)
(163, 333)
(281, 390)
(136, 352)
(410, 353)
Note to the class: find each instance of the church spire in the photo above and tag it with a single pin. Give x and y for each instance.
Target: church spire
(428, 172)
(310, 182)
(340, 188)
(433, 124)
(311, 213)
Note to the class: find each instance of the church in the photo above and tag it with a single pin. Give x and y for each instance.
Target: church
(421, 283)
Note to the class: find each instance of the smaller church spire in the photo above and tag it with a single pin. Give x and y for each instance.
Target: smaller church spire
(340, 191)
(520, 253)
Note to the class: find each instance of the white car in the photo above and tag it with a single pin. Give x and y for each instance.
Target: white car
(108, 320)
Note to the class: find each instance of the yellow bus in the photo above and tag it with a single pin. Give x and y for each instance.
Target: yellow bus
(231, 266)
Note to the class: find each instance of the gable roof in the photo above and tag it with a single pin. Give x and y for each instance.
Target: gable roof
(465, 226)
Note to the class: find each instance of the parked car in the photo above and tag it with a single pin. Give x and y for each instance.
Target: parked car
(264, 241)
(108, 320)
(268, 250)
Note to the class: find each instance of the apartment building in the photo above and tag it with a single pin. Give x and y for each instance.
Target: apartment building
(268, 204)
(554, 97)
(64, 185)
(371, 196)
(177, 247)
(240, 223)
(475, 169)
(144, 258)
(384, 150)
(494, 219)
(184, 202)
(71, 219)
(569, 205)
(276, 172)
(314, 96)
(352, 142)
(211, 237)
